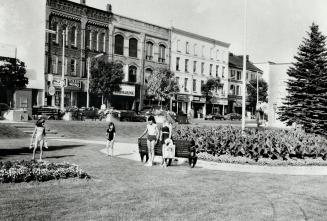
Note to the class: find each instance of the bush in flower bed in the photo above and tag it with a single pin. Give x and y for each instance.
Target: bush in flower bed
(275, 144)
(26, 171)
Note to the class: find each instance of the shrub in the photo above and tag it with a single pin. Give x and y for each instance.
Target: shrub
(255, 144)
(26, 171)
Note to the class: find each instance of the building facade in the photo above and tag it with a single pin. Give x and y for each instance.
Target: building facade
(81, 33)
(195, 59)
(235, 82)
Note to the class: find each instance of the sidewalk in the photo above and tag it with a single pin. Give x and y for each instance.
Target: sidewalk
(130, 151)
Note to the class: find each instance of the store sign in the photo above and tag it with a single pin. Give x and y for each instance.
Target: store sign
(199, 99)
(74, 83)
(126, 90)
(182, 97)
(59, 83)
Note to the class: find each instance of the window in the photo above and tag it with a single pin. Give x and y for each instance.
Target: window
(238, 75)
(232, 90)
(66, 35)
(103, 42)
(210, 71)
(195, 49)
(202, 67)
(186, 65)
(211, 53)
(133, 47)
(73, 67)
(194, 66)
(187, 47)
(238, 92)
(202, 53)
(232, 74)
(95, 41)
(55, 28)
(132, 74)
(162, 53)
(149, 51)
(178, 46)
(88, 39)
(119, 44)
(23, 102)
(54, 64)
(73, 37)
(194, 85)
(217, 55)
(177, 80)
(217, 69)
(65, 67)
(185, 84)
(202, 83)
(177, 63)
(247, 75)
(223, 72)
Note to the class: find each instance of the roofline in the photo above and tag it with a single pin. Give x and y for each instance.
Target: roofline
(200, 37)
(87, 6)
(141, 21)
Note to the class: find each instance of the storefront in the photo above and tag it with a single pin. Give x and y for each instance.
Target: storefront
(181, 103)
(217, 105)
(198, 105)
(125, 99)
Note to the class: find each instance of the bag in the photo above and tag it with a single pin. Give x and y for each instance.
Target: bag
(169, 150)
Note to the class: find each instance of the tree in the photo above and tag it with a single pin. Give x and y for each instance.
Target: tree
(208, 87)
(161, 84)
(12, 76)
(106, 78)
(251, 88)
(306, 101)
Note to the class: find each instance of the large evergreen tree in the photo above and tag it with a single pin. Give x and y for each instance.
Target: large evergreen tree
(306, 102)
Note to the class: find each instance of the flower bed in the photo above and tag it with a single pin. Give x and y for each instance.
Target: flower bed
(26, 171)
(255, 146)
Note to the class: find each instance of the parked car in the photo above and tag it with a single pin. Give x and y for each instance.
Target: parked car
(214, 117)
(233, 116)
(127, 115)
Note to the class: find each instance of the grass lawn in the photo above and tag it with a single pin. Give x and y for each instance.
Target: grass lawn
(121, 189)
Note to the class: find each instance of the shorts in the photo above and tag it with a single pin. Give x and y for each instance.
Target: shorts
(152, 138)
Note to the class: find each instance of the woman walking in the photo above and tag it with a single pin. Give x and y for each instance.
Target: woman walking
(40, 137)
(164, 136)
(153, 135)
(110, 134)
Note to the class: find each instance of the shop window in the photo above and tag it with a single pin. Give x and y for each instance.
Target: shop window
(119, 45)
(133, 47)
(132, 74)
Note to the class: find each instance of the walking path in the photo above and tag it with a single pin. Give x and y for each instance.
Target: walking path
(130, 151)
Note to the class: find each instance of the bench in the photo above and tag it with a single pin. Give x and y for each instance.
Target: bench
(183, 149)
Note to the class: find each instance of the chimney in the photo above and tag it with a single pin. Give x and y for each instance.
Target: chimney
(83, 2)
(109, 8)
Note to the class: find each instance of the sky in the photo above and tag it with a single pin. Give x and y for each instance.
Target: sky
(275, 28)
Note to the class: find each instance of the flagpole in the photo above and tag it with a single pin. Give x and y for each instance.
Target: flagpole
(244, 69)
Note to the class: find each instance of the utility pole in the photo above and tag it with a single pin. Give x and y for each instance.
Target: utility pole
(63, 71)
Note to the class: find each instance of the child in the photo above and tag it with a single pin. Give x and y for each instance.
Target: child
(110, 134)
(40, 137)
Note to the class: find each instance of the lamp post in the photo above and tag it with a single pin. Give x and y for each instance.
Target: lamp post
(244, 69)
(88, 78)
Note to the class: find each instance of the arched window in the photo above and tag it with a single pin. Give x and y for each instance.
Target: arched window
(95, 40)
(149, 51)
(55, 27)
(73, 36)
(119, 44)
(89, 39)
(103, 42)
(133, 47)
(148, 73)
(132, 74)
(65, 29)
(162, 53)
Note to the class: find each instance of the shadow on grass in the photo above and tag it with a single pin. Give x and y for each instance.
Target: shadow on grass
(58, 157)
(26, 150)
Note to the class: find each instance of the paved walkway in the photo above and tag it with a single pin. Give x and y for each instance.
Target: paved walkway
(130, 151)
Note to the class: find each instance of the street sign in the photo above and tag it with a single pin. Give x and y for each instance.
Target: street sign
(52, 90)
